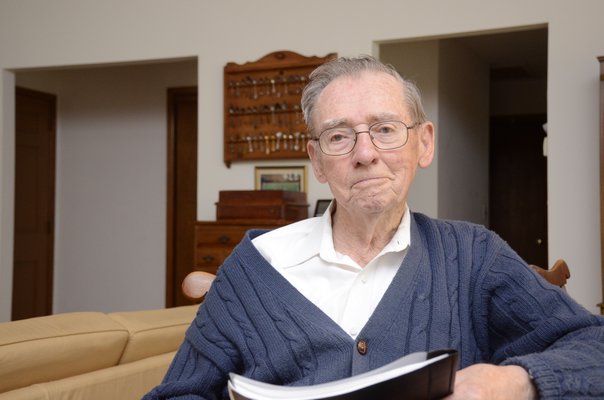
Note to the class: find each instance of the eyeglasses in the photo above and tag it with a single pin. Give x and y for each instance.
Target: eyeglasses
(385, 135)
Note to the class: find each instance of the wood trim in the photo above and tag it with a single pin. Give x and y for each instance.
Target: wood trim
(601, 60)
(51, 204)
(171, 134)
(173, 96)
(284, 59)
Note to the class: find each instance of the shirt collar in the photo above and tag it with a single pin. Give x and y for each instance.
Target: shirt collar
(294, 244)
(319, 242)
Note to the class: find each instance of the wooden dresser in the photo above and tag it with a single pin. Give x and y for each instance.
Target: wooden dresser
(239, 211)
(215, 240)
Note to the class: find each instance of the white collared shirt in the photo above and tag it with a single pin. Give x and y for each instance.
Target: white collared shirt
(304, 254)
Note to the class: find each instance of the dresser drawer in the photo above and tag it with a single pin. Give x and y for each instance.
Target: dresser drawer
(277, 212)
(225, 234)
(211, 256)
(220, 234)
(214, 241)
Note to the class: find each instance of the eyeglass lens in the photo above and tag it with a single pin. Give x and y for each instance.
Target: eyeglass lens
(385, 135)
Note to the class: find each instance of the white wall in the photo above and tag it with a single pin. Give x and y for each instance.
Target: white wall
(68, 32)
(418, 61)
(111, 183)
(455, 87)
(7, 194)
(463, 115)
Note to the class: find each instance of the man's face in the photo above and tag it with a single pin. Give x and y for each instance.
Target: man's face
(368, 180)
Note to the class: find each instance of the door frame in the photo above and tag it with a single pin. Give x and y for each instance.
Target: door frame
(172, 191)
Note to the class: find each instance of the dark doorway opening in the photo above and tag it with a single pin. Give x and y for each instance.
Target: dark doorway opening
(35, 136)
(518, 185)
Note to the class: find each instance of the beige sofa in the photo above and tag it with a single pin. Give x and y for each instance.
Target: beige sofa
(89, 355)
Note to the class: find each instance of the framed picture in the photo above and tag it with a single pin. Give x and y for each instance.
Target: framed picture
(292, 179)
(321, 207)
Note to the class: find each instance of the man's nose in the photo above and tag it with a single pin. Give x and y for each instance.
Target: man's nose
(364, 148)
(363, 138)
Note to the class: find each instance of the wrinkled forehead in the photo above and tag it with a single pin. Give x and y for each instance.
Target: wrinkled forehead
(363, 97)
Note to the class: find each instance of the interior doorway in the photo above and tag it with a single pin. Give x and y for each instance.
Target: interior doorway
(111, 174)
(35, 133)
(508, 68)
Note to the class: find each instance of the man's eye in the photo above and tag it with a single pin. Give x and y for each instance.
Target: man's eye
(384, 129)
(336, 137)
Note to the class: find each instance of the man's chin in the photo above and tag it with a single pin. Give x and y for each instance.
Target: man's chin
(372, 205)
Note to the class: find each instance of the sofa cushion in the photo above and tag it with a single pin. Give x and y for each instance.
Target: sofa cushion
(57, 346)
(154, 331)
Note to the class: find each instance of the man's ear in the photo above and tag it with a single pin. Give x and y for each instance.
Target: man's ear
(426, 144)
(312, 147)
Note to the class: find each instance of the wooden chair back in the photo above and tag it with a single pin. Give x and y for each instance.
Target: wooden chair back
(196, 284)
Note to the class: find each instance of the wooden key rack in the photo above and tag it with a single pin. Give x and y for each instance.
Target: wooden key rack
(262, 114)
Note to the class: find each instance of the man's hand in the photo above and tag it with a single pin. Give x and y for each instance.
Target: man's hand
(491, 382)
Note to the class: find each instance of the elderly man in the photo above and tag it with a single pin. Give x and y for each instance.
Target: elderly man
(370, 281)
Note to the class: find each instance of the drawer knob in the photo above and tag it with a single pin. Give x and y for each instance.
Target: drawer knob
(208, 259)
(224, 239)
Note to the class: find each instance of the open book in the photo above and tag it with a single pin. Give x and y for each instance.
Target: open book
(422, 375)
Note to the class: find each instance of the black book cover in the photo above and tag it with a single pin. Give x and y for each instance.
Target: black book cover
(418, 376)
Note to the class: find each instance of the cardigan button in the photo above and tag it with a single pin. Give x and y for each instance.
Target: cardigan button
(362, 347)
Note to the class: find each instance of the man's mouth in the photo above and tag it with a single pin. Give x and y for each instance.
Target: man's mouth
(367, 180)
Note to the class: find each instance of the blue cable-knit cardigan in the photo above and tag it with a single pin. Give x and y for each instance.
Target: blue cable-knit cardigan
(460, 286)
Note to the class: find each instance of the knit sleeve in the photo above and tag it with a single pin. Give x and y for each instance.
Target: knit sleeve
(190, 377)
(200, 368)
(536, 325)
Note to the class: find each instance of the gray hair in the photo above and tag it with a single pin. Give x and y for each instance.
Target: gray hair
(344, 66)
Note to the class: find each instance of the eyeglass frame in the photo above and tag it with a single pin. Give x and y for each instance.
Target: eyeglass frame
(368, 131)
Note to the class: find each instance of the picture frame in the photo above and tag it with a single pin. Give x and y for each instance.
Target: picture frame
(321, 207)
(288, 178)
